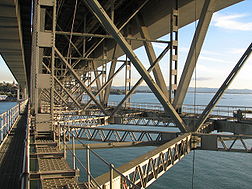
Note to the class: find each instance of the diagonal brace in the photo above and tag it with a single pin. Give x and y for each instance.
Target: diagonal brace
(140, 81)
(62, 86)
(112, 29)
(223, 87)
(193, 54)
(151, 54)
(80, 81)
(105, 85)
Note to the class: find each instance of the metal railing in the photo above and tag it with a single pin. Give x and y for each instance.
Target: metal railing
(26, 160)
(220, 110)
(90, 180)
(8, 118)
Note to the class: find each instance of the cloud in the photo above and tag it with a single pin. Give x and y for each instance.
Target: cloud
(202, 78)
(212, 59)
(231, 22)
(159, 46)
(237, 50)
(203, 51)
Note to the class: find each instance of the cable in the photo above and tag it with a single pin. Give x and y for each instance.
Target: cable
(194, 95)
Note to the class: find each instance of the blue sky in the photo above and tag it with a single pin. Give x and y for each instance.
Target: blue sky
(230, 33)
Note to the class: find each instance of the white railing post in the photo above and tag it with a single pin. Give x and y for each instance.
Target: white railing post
(111, 166)
(64, 142)
(88, 166)
(8, 123)
(1, 129)
(73, 154)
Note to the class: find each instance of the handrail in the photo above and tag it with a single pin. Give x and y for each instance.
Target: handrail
(7, 121)
(26, 158)
(111, 166)
(220, 110)
(97, 184)
(8, 118)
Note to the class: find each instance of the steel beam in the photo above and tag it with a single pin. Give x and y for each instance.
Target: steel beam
(110, 37)
(198, 39)
(62, 86)
(121, 27)
(107, 90)
(173, 71)
(139, 81)
(223, 87)
(105, 85)
(90, 130)
(151, 55)
(98, 81)
(45, 93)
(80, 81)
(111, 71)
(145, 169)
(105, 145)
(56, 92)
(226, 143)
(102, 16)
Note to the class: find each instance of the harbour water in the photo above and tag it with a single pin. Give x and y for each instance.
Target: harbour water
(5, 106)
(212, 170)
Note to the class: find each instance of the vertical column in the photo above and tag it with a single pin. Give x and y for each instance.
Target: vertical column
(103, 79)
(35, 56)
(127, 79)
(88, 166)
(43, 39)
(53, 58)
(104, 66)
(173, 50)
(1, 129)
(127, 73)
(193, 54)
(18, 93)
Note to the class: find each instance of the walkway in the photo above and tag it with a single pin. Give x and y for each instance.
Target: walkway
(11, 155)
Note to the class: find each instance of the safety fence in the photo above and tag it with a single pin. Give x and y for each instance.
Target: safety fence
(220, 110)
(8, 118)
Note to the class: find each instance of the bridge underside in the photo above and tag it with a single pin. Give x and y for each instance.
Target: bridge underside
(75, 56)
(15, 40)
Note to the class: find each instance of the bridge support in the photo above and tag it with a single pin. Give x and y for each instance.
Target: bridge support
(192, 57)
(223, 87)
(111, 28)
(151, 55)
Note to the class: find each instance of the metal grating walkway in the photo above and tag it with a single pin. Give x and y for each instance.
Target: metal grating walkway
(52, 170)
(11, 155)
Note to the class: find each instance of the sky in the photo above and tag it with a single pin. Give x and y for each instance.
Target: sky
(229, 35)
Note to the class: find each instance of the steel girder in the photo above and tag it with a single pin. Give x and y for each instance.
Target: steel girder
(198, 39)
(145, 169)
(223, 87)
(151, 55)
(139, 81)
(80, 81)
(104, 19)
(105, 85)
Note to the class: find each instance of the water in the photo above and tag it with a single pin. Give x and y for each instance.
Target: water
(201, 99)
(4, 106)
(213, 170)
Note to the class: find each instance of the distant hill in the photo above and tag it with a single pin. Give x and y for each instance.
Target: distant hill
(191, 90)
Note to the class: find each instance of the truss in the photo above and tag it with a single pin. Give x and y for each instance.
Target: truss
(76, 54)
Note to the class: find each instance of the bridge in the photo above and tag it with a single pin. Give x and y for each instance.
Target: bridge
(65, 55)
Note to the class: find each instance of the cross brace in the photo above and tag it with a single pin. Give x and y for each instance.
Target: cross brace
(107, 23)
